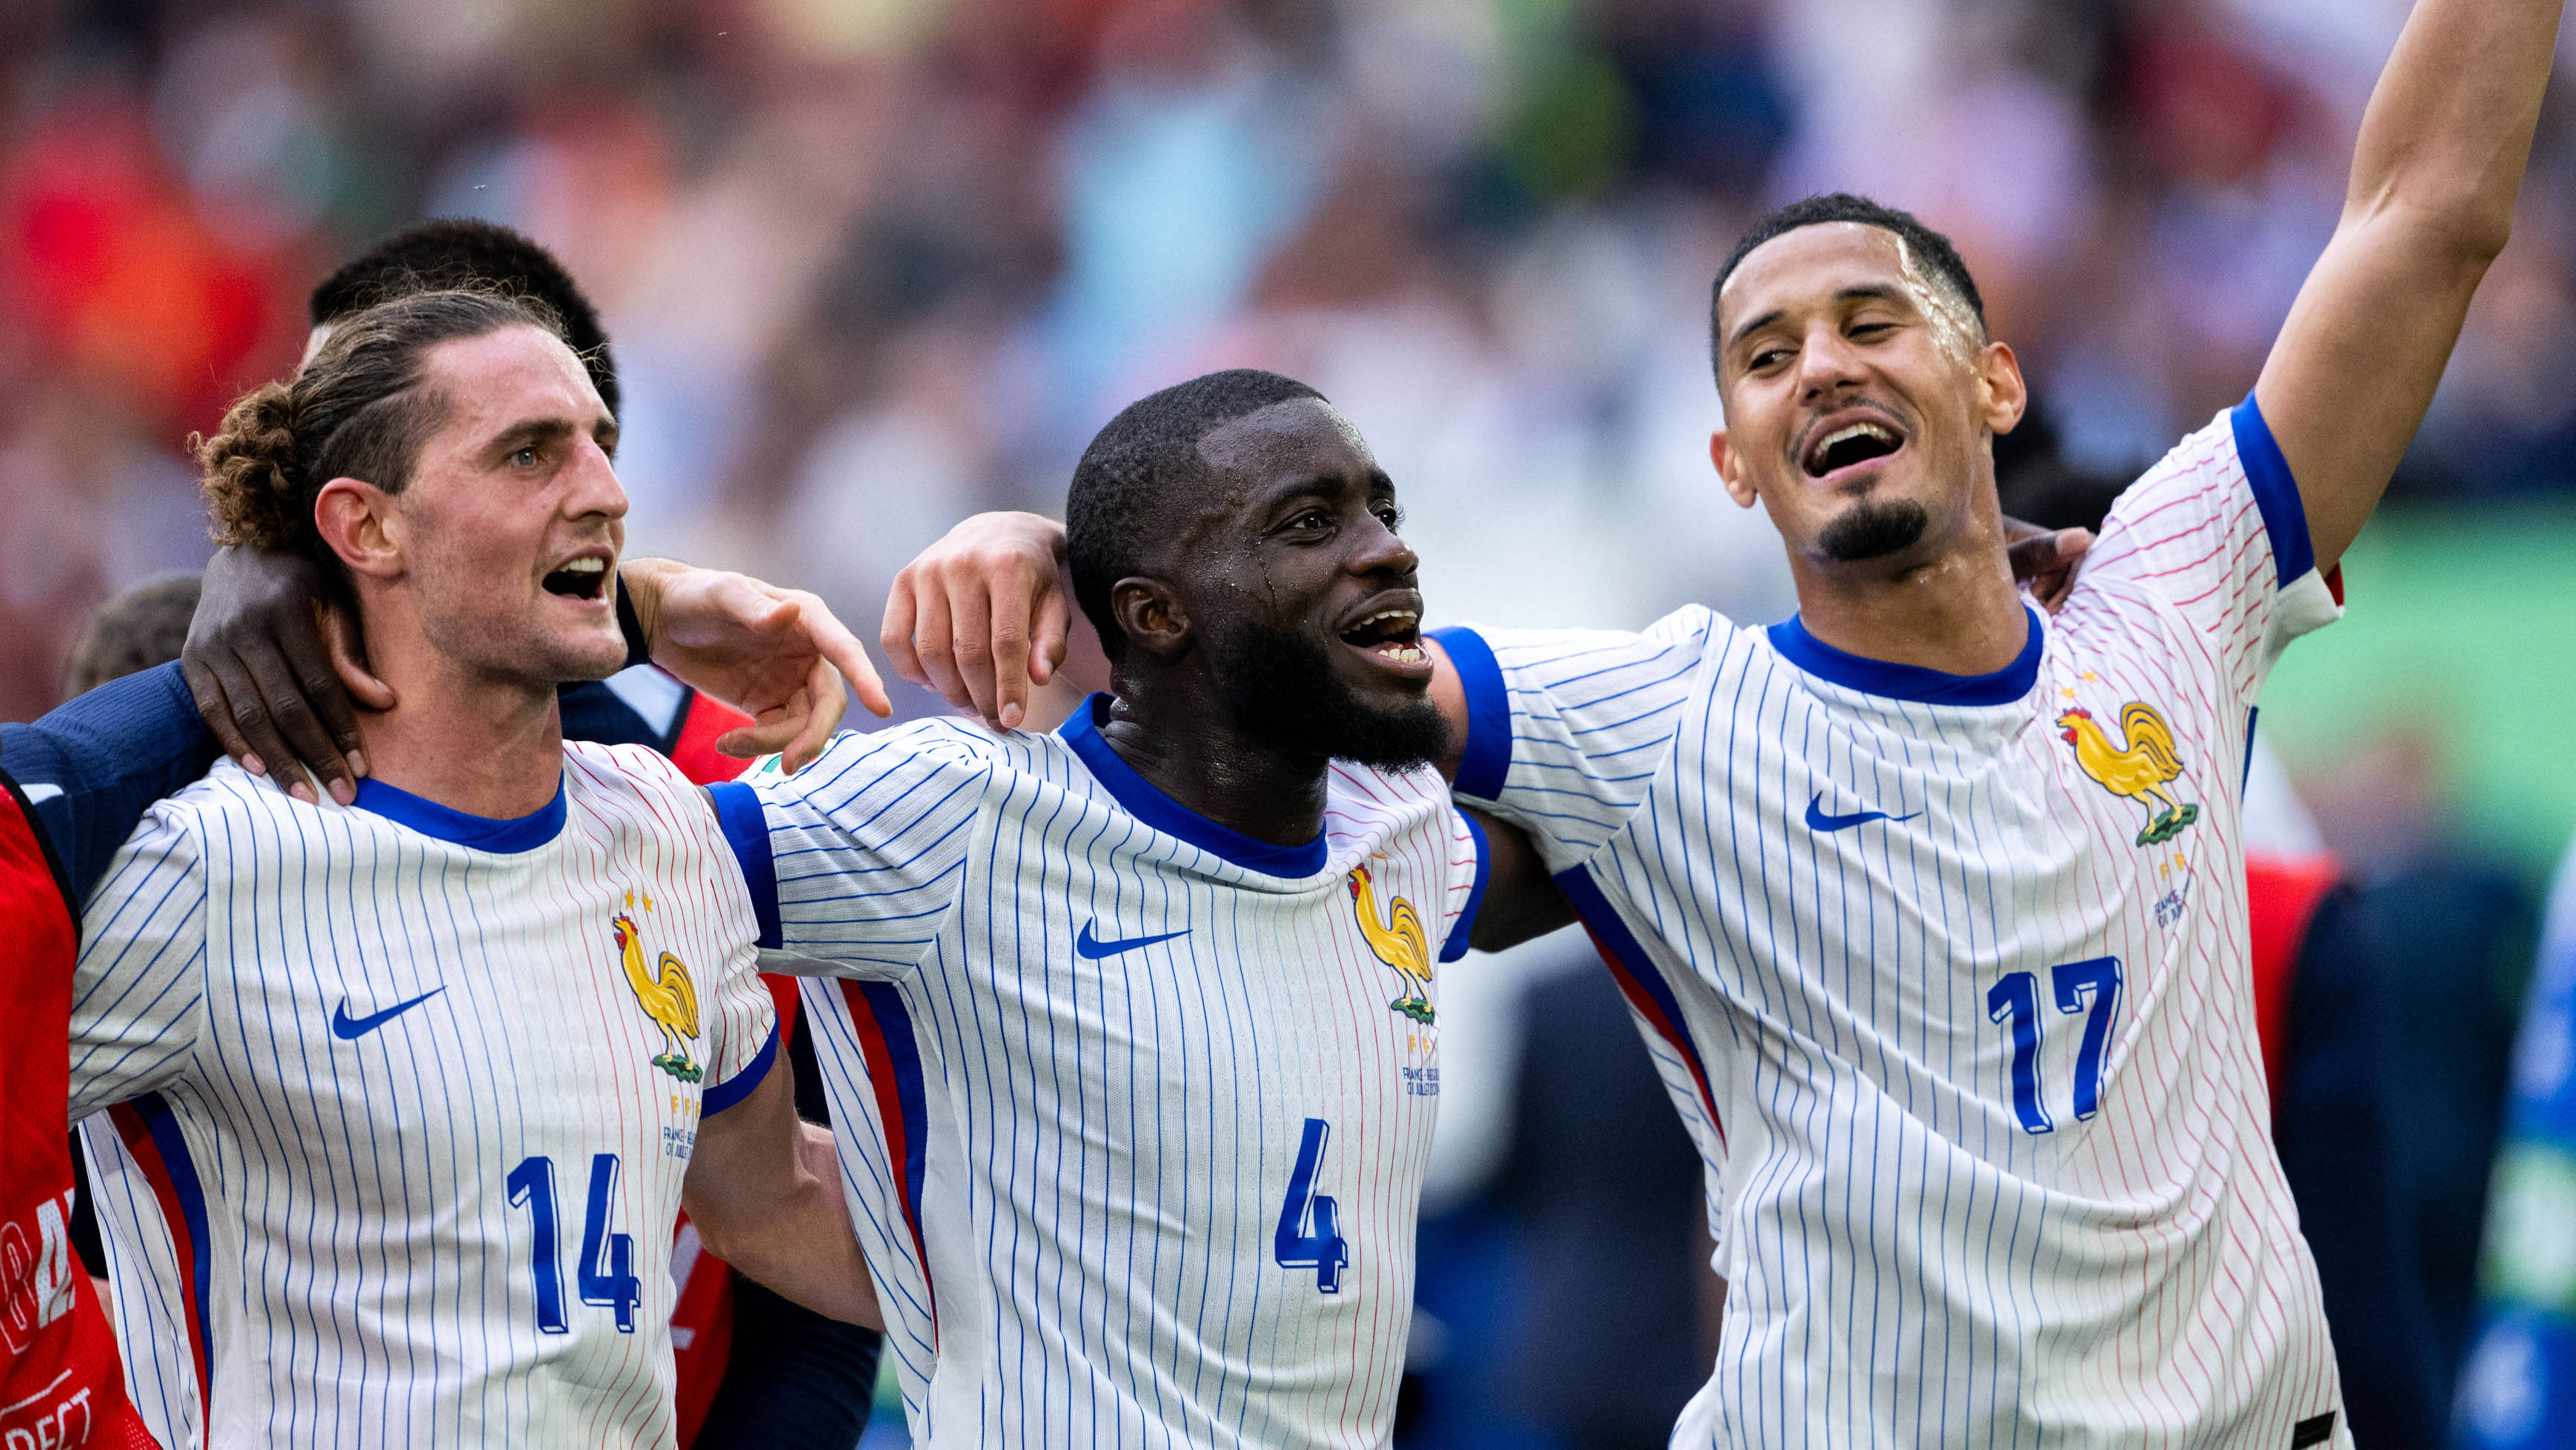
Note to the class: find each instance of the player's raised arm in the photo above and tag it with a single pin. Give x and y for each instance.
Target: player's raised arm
(2435, 174)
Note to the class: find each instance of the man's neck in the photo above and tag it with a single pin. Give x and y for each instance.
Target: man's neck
(487, 747)
(1184, 748)
(1957, 612)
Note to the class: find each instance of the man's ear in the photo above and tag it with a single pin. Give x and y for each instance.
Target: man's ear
(356, 521)
(1150, 615)
(1738, 487)
(2002, 396)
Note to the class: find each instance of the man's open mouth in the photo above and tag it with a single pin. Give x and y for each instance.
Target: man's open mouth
(583, 578)
(1855, 442)
(1393, 633)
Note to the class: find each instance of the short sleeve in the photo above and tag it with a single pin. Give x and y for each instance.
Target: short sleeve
(745, 1041)
(1566, 728)
(857, 860)
(2217, 530)
(138, 989)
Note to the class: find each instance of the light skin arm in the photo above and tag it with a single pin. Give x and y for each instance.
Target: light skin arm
(766, 1197)
(779, 654)
(2435, 175)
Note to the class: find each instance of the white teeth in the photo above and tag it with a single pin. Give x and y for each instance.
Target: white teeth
(584, 566)
(1407, 615)
(1402, 653)
(1856, 430)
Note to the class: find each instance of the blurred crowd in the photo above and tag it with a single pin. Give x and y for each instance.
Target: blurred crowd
(872, 264)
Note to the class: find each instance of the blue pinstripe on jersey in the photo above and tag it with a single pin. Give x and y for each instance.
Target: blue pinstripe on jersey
(363, 1280)
(1910, 1259)
(1069, 1187)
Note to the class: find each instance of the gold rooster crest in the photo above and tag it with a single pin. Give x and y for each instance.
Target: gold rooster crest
(1400, 944)
(2138, 769)
(667, 995)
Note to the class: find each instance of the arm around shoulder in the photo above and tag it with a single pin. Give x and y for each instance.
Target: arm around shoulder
(767, 1200)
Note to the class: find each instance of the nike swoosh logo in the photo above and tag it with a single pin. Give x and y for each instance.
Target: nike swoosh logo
(350, 1029)
(39, 794)
(1817, 820)
(1093, 947)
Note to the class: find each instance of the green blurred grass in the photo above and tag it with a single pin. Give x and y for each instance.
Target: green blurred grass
(2462, 622)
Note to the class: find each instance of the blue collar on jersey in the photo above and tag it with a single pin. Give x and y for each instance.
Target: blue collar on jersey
(1911, 682)
(1147, 803)
(480, 833)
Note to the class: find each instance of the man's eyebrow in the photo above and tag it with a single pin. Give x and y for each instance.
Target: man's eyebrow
(530, 431)
(1857, 292)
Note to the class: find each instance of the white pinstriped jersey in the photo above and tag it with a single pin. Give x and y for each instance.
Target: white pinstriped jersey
(1948, 976)
(404, 1098)
(1133, 1110)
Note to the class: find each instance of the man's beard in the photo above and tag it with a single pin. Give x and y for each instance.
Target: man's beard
(1279, 688)
(1873, 529)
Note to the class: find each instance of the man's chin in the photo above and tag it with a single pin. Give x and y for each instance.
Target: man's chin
(569, 661)
(1873, 528)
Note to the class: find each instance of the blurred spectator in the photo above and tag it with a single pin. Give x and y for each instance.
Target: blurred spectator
(143, 627)
(1618, 1329)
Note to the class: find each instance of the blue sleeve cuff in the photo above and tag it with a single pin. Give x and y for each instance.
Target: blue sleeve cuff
(720, 1096)
(2276, 493)
(1459, 930)
(1488, 756)
(746, 829)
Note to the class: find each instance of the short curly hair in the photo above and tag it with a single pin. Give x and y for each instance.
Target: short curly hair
(1117, 503)
(462, 252)
(357, 409)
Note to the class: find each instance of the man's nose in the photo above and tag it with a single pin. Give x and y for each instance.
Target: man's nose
(1384, 551)
(1827, 361)
(595, 489)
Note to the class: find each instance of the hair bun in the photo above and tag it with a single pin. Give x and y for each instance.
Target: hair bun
(248, 470)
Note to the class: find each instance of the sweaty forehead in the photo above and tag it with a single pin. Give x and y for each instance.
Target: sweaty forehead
(1812, 264)
(1301, 438)
(516, 374)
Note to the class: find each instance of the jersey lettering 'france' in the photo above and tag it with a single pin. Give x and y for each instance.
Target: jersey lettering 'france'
(401, 1099)
(1948, 978)
(1133, 1109)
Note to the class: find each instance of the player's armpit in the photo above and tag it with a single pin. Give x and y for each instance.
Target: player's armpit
(1521, 900)
(766, 1198)
(2436, 172)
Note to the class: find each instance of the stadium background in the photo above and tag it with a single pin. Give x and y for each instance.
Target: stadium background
(870, 265)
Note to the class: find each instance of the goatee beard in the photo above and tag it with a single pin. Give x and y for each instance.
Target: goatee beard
(1279, 688)
(1872, 529)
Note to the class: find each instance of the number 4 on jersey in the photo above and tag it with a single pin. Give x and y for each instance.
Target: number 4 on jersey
(1295, 1245)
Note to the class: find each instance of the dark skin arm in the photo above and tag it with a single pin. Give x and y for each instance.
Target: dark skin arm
(1521, 902)
(274, 674)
